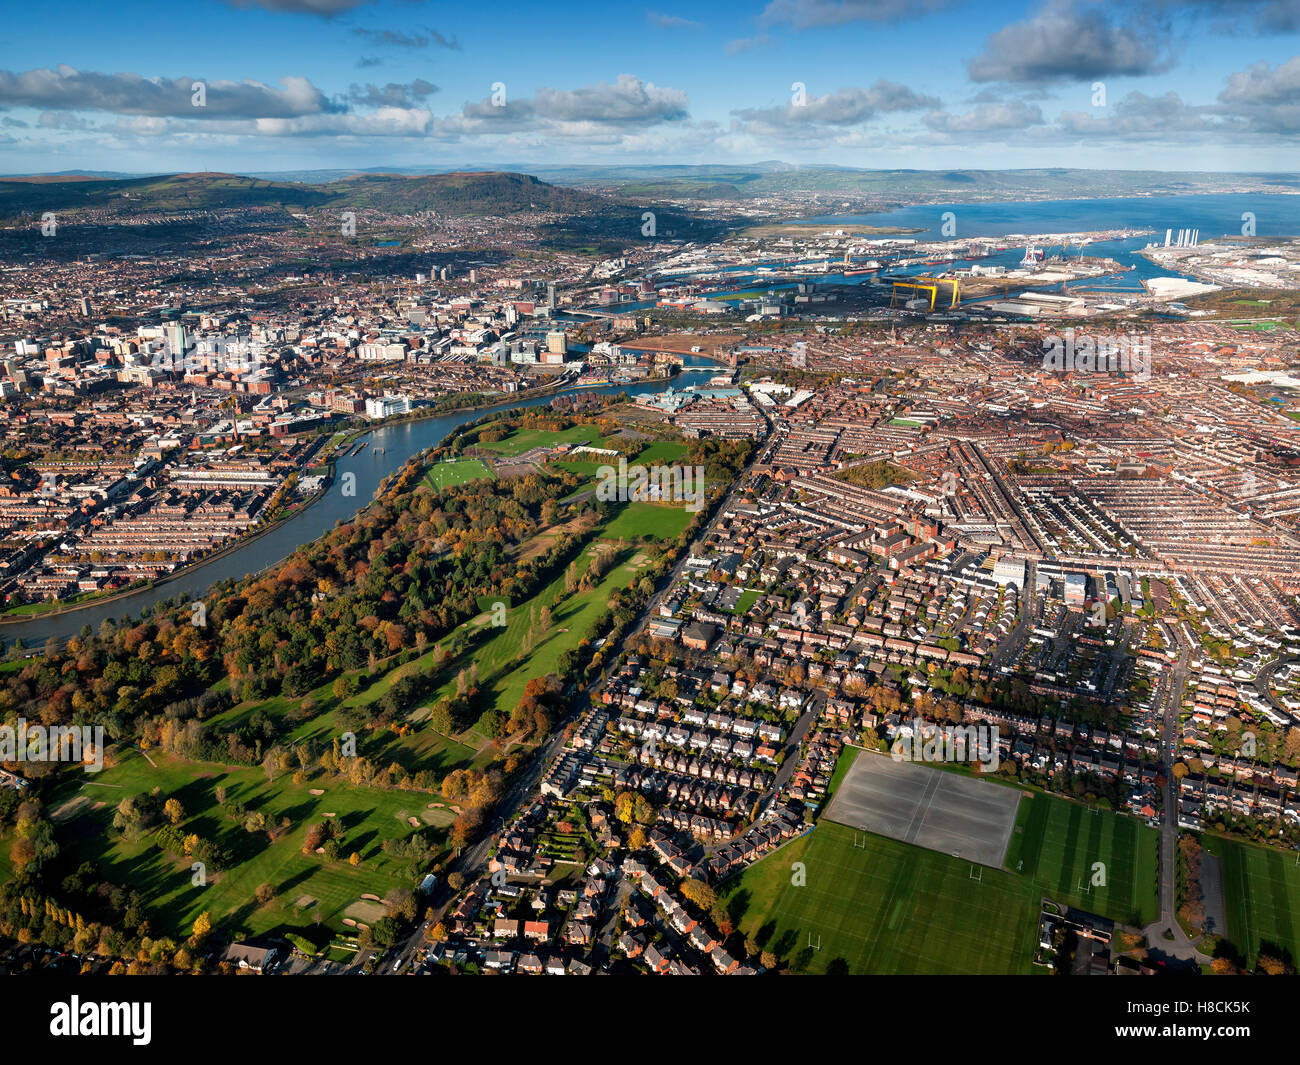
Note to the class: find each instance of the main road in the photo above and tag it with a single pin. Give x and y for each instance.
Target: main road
(1166, 935)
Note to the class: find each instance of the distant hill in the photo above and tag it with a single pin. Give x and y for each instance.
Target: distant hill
(55, 175)
(486, 193)
(475, 191)
(460, 193)
(904, 186)
(145, 195)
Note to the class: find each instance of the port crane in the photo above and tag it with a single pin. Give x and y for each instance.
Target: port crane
(926, 284)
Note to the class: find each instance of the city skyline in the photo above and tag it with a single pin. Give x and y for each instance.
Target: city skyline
(300, 84)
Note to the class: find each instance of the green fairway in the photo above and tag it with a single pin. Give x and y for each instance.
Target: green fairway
(1057, 843)
(307, 887)
(885, 907)
(503, 668)
(571, 622)
(1261, 889)
(658, 520)
(421, 748)
(461, 471)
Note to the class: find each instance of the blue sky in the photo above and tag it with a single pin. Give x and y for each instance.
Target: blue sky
(148, 86)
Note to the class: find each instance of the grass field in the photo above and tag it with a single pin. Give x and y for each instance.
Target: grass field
(1261, 889)
(885, 907)
(589, 469)
(369, 816)
(657, 520)
(665, 451)
(876, 902)
(461, 471)
(526, 439)
(1057, 842)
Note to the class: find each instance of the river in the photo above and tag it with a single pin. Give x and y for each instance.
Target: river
(389, 447)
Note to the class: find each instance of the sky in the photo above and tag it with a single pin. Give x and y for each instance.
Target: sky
(162, 86)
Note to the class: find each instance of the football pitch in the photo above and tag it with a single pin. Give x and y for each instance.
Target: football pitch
(875, 905)
(1261, 890)
(1092, 859)
(871, 904)
(458, 471)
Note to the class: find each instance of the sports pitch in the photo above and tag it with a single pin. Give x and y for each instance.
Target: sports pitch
(458, 471)
(1095, 860)
(1261, 887)
(955, 815)
(874, 905)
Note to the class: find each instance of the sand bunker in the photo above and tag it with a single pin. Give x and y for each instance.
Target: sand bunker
(70, 808)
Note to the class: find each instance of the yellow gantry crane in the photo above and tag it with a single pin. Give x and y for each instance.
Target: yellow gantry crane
(927, 284)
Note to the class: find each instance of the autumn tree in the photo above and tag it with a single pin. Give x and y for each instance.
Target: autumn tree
(202, 927)
(699, 893)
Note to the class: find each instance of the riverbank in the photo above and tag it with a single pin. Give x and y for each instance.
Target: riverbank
(249, 555)
(13, 618)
